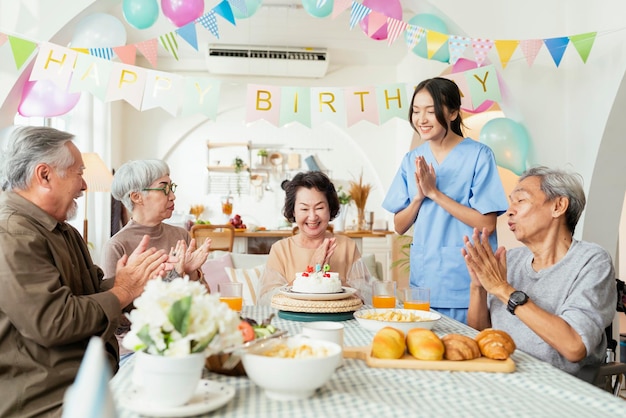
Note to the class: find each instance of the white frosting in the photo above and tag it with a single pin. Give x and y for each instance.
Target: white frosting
(317, 283)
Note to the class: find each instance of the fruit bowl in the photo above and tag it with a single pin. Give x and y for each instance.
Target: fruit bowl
(285, 378)
(402, 319)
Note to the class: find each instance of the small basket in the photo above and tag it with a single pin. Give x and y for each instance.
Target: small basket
(214, 364)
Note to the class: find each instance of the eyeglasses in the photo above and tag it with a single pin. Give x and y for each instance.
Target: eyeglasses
(171, 187)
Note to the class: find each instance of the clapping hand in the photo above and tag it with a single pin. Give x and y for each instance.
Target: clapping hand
(195, 257)
(425, 176)
(325, 251)
(486, 268)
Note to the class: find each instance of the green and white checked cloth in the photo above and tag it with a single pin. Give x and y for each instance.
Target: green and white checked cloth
(535, 389)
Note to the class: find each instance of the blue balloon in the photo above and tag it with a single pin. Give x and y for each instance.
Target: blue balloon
(310, 6)
(430, 22)
(140, 14)
(251, 8)
(509, 142)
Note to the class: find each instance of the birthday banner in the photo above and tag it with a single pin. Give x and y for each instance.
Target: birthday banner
(279, 105)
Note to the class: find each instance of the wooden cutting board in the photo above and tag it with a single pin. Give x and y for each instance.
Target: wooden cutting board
(482, 364)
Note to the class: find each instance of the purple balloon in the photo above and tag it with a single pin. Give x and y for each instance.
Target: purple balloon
(181, 12)
(390, 8)
(43, 98)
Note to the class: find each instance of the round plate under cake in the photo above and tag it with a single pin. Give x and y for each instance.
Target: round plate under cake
(345, 293)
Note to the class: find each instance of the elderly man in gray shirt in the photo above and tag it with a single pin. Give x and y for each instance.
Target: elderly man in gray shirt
(556, 295)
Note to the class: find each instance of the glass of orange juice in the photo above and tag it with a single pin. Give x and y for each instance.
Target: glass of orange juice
(231, 294)
(384, 294)
(416, 298)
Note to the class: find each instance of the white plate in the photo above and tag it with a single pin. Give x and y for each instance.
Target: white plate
(346, 292)
(208, 397)
(427, 319)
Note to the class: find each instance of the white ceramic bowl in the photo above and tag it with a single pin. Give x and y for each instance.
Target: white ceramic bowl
(286, 379)
(426, 320)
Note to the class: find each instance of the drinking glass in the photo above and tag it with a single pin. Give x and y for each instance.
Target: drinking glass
(416, 298)
(231, 294)
(384, 294)
(227, 205)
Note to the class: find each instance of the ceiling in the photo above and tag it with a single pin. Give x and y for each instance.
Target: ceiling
(277, 23)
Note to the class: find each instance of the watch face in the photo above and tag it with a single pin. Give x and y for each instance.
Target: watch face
(518, 297)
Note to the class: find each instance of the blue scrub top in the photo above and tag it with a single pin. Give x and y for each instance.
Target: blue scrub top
(468, 175)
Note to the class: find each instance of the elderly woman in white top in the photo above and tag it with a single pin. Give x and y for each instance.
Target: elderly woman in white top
(147, 191)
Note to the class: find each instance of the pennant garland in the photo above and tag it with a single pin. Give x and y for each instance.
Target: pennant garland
(168, 41)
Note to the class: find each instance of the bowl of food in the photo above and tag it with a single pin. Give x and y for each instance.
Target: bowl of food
(291, 368)
(402, 319)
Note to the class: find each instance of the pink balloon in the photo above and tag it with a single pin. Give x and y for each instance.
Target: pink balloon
(461, 65)
(44, 98)
(181, 12)
(390, 8)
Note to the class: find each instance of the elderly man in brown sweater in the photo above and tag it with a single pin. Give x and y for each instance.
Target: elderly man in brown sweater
(52, 300)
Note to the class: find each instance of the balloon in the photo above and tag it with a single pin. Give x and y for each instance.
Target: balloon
(251, 8)
(390, 8)
(430, 22)
(44, 98)
(99, 30)
(181, 12)
(310, 6)
(140, 14)
(461, 65)
(509, 142)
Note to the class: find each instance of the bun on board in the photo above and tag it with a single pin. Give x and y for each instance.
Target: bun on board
(460, 347)
(423, 344)
(495, 344)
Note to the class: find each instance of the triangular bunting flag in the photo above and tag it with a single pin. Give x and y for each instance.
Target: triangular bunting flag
(127, 53)
(394, 28)
(209, 22)
(3, 38)
(188, 33)
(434, 41)
(22, 49)
(530, 48)
(82, 50)
(168, 41)
(149, 50)
(557, 47)
(582, 43)
(505, 49)
(339, 7)
(223, 9)
(375, 21)
(240, 5)
(481, 48)
(414, 35)
(104, 53)
(457, 46)
(358, 13)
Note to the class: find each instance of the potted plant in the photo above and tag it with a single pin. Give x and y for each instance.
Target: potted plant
(175, 325)
(262, 155)
(344, 202)
(359, 193)
(239, 167)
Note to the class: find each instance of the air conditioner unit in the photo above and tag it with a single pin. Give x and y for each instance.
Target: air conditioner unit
(267, 61)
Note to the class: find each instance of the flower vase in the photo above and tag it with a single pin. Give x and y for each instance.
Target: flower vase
(361, 226)
(168, 381)
(339, 223)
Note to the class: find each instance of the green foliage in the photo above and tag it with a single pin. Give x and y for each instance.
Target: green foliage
(180, 315)
(344, 198)
(404, 262)
(262, 152)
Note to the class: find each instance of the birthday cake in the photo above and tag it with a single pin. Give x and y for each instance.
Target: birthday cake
(317, 281)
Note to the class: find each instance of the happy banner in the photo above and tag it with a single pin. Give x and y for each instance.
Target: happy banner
(279, 105)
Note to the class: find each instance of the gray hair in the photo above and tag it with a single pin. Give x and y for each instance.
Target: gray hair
(29, 146)
(559, 183)
(134, 176)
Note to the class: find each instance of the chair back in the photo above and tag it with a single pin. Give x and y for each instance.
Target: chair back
(222, 236)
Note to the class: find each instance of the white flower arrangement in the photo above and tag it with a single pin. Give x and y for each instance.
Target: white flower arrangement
(178, 318)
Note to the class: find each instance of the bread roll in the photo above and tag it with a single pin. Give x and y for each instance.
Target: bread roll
(460, 347)
(424, 344)
(388, 343)
(495, 344)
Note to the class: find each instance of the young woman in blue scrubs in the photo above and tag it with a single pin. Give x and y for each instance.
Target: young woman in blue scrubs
(444, 188)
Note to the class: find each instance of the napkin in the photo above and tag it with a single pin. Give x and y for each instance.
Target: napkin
(89, 395)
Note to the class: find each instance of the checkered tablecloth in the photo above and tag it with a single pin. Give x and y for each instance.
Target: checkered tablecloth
(535, 389)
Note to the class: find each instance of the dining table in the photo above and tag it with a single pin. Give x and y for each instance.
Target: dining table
(534, 389)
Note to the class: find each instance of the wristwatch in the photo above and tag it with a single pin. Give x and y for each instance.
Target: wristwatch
(516, 299)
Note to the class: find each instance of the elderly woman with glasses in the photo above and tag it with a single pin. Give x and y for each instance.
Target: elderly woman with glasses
(146, 190)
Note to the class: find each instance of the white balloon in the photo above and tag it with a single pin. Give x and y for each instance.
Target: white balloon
(99, 30)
